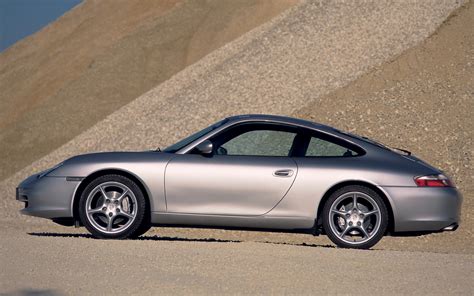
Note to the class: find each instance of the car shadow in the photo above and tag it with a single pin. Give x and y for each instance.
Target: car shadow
(34, 292)
(141, 238)
(180, 239)
(299, 245)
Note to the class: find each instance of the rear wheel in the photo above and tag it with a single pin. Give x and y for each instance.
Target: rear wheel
(113, 206)
(355, 217)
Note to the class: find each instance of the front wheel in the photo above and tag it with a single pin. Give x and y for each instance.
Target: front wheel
(355, 217)
(113, 206)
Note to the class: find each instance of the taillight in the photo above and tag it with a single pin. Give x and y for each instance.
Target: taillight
(433, 181)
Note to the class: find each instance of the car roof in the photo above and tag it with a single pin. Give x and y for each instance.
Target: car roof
(281, 119)
(365, 143)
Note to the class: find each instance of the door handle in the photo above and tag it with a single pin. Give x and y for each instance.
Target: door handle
(283, 173)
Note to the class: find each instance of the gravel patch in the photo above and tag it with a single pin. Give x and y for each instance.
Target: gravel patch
(55, 264)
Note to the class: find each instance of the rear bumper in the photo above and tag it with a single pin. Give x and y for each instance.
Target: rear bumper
(48, 197)
(425, 209)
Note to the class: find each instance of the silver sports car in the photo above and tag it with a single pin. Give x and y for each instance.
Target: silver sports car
(251, 172)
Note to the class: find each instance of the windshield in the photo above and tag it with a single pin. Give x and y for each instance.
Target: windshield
(186, 141)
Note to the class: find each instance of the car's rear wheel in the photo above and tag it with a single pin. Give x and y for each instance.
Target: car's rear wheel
(113, 206)
(355, 217)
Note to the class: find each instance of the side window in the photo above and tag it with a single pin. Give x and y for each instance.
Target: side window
(321, 148)
(259, 143)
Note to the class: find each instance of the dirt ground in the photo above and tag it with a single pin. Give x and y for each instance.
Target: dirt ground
(72, 264)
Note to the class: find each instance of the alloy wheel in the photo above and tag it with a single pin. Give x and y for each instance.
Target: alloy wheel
(355, 217)
(111, 207)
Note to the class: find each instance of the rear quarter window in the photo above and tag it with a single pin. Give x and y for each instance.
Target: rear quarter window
(319, 147)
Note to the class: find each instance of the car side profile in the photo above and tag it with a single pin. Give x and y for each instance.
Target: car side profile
(251, 172)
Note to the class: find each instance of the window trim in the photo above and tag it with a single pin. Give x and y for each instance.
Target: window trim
(301, 128)
(331, 139)
(276, 127)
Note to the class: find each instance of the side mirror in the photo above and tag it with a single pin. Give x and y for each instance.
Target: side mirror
(205, 148)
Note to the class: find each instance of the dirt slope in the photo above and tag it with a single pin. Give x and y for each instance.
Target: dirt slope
(100, 56)
(77, 265)
(422, 101)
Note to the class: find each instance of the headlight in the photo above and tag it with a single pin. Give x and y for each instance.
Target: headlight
(45, 172)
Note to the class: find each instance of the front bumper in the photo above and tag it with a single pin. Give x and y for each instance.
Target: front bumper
(425, 208)
(47, 197)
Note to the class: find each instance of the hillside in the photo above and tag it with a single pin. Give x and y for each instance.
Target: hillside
(101, 55)
(337, 63)
(422, 101)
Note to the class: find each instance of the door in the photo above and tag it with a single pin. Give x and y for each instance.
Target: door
(248, 174)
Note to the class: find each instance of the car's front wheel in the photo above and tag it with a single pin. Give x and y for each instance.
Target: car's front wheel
(113, 206)
(355, 217)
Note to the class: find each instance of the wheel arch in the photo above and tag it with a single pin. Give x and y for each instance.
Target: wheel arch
(383, 195)
(103, 172)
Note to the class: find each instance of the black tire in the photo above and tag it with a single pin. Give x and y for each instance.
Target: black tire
(135, 227)
(144, 227)
(330, 227)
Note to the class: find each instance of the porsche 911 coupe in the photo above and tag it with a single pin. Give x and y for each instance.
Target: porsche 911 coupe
(251, 172)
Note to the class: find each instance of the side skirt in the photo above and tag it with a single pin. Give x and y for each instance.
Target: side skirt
(233, 222)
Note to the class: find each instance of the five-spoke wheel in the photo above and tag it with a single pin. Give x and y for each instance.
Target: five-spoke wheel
(113, 206)
(355, 217)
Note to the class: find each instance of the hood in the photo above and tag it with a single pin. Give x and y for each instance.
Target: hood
(85, 164)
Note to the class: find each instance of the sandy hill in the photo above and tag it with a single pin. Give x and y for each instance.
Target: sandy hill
(100, 56)
(422, 101)
(339, 63)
